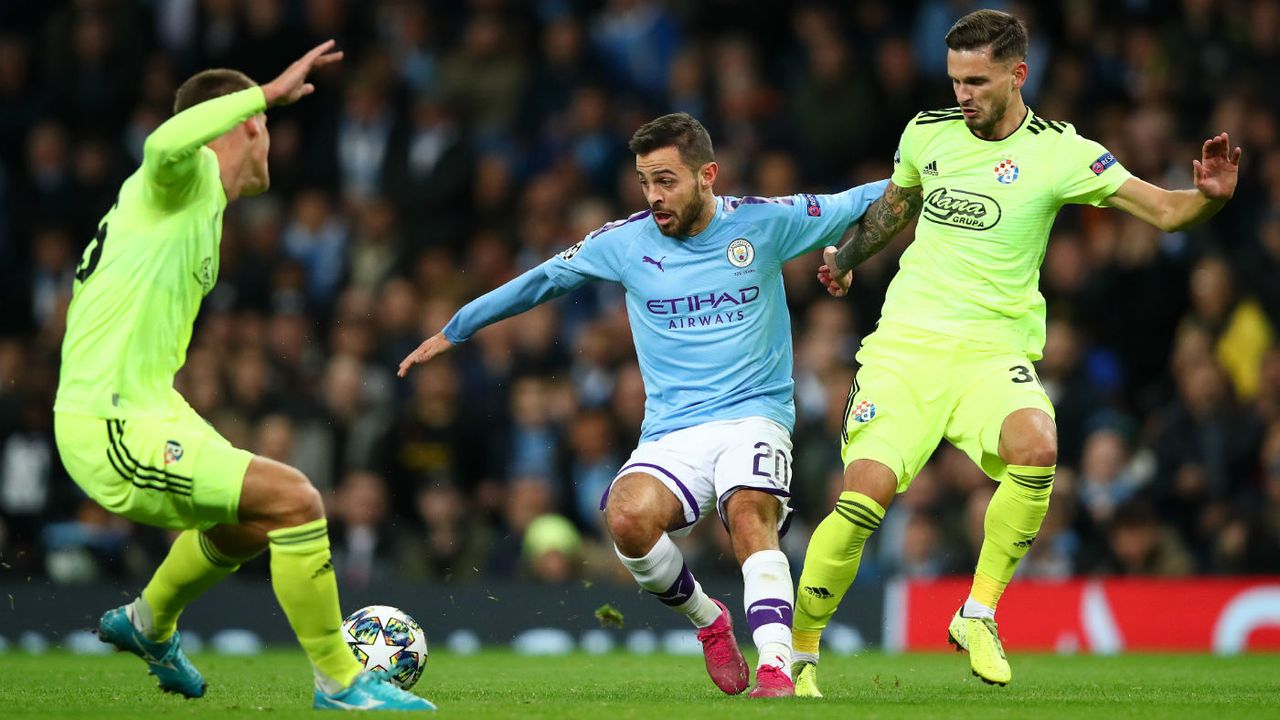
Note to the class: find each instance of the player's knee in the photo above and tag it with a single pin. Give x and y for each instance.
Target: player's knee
(1038, 449)
(299, 501)
(633, 531)
(1029, 437)
(1045, 455)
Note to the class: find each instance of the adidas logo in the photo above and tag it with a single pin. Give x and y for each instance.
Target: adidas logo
(819, 592)
(327, 567)
(930, 169)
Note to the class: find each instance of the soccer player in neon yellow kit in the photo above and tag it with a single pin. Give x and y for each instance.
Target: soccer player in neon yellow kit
(964, 320)
(136, 447)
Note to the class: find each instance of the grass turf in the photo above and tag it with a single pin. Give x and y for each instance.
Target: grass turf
(498, 684)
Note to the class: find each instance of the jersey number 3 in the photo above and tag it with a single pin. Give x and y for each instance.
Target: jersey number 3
(1022, 374)
(92, 254)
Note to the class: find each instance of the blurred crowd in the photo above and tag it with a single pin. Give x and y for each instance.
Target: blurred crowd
(461, 143)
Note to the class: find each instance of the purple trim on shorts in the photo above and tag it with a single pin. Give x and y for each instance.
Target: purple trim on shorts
(680, 591)
(688, 496)
(768, 611)
(786, 524)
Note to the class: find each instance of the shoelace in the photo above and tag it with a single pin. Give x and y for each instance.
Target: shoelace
(719, 650)
(768, 670)
(995, 634)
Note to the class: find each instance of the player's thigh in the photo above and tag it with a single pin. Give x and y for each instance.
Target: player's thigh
(172, 471)
(896, 411)
(680, 467)
(998, 386)
(753, 454)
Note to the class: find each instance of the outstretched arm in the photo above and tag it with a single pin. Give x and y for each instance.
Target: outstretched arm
(1170, 210)
(886, 217)
(168, 151)
(532, 288)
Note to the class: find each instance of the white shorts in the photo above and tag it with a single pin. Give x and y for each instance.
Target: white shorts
(705, 464)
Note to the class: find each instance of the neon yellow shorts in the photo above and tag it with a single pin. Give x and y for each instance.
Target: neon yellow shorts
(915, 388)
(172, 471)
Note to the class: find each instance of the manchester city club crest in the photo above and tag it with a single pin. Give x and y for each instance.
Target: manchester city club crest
(741, 252)
(1006, 171)
(172, 452)
(864, 411)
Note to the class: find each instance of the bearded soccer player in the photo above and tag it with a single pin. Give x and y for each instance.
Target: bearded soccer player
(963, 321)
(709, 320)
(137, 448)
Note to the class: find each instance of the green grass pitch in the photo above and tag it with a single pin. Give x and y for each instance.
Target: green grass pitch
(497, 684)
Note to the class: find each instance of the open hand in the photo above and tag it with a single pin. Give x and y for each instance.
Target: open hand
(292, 84)
(837, 286)
(429, 348)
(1216, 172)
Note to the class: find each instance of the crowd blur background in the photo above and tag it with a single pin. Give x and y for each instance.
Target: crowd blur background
(461, 143)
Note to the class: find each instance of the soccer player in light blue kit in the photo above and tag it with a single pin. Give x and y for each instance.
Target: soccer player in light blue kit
(708, 314)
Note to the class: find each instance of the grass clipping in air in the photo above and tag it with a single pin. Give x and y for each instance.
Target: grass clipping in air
(609, 615)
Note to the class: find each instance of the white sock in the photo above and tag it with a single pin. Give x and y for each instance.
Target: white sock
(143, 619)
(799, 657)
(768, 598)
(326, 684)
(664, 575)
(976, 610)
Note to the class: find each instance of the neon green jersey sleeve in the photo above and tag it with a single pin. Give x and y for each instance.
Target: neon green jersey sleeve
(170, 154)
(145, 273)
(1088, 173)
(905, 172)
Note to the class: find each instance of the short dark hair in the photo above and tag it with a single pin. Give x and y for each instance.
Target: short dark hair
(679, 130)
(209, 84)
(1004, 33)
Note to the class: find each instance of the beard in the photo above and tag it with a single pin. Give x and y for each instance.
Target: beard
(985, 123)
(684, 219)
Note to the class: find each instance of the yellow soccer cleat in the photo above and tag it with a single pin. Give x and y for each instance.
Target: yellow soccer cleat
(982, 640)
(806, 680)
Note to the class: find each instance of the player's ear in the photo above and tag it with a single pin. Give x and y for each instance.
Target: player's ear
(1019, 74)
(253, 127)
(707, 176)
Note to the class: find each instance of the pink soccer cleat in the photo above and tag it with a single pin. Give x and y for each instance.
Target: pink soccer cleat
(772, 682)
(725, 664)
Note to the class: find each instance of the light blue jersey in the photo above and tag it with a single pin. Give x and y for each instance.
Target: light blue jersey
(708, 313)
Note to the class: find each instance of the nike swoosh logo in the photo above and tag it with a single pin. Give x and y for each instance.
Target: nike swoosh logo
(367, 706)
(151, 659)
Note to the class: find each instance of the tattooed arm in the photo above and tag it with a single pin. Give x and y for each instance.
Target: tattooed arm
(883, 220)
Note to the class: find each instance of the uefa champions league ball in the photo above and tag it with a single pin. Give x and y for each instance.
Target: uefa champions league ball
(386, 638)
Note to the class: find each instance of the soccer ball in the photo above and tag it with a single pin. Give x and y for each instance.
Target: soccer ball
(386, 638)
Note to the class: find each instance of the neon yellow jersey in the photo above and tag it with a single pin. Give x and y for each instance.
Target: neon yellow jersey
(141, 279)
(973, 270)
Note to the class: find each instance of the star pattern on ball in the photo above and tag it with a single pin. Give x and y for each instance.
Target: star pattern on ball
(379, 652)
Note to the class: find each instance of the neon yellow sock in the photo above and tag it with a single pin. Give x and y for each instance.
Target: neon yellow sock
(304, 583)
(830, 565)
(986, 589)
(192, 566)
(1012, 521)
